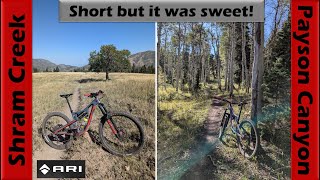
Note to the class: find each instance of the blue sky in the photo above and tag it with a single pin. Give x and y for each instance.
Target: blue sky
(71, 43)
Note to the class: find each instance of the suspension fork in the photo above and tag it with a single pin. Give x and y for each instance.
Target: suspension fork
(225, 118)
(240, 113)
(106, 117)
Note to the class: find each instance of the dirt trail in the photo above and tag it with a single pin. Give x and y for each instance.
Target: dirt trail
(46, 152)
(213, 121)
(195, 163)
(202, 167)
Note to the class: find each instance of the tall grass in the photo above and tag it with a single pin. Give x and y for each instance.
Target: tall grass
(123, 92)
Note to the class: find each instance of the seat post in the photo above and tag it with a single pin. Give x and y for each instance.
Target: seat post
(69, 105)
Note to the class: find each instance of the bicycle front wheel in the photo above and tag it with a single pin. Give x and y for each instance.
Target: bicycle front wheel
(248, 139)
(122, 134)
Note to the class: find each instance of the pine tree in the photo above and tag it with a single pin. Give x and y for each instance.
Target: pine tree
(277, 76)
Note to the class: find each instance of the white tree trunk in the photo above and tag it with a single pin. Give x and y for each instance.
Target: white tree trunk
(232, 38)
(257, 71)
(218, 63)
(243, 68)
(178, 62)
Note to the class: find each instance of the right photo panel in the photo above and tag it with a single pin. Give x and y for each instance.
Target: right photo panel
(224, 98)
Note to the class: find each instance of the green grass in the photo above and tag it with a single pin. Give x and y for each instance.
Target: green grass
(272, 161)
(180, 120)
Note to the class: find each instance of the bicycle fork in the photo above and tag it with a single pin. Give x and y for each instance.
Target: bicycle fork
(106, 117)
(225, 118)
(114, 128)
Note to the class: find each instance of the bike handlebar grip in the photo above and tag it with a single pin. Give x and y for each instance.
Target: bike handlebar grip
(94, 94)
(242, 103)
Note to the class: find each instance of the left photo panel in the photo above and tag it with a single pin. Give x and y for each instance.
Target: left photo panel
(93, 97)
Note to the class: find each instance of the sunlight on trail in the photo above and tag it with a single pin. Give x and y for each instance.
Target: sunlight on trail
(180, 166)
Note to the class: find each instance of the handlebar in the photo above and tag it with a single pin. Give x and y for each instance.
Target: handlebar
(222, 99)
(225, 100)
(94, 94)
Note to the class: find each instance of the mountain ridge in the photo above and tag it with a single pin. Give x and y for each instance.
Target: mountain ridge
(139, 59)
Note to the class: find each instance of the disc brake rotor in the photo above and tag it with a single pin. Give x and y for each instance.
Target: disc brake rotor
(122, 134)
(56, 137)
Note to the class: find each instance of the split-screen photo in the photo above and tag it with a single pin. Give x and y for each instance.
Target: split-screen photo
(164, 100)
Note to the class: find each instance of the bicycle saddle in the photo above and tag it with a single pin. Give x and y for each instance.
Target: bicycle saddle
(65, 95)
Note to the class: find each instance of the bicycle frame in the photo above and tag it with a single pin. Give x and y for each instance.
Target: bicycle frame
(93, 106)
(233, 117)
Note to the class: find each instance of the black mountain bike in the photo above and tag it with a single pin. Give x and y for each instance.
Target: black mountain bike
(246, 132)
(119, 132)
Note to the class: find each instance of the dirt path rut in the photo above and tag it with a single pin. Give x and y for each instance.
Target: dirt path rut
(193, 163)
(202, 167)
(48, 153)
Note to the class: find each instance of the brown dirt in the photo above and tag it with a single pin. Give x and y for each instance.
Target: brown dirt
(194, 163)
(48, 153)
(204, 167)
(213, 122)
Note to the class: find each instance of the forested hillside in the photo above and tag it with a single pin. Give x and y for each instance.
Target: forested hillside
(42, 65)
(146, 58)
(142, 62)
(111, 59)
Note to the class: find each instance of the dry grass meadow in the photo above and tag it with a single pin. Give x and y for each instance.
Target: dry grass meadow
(124, 90)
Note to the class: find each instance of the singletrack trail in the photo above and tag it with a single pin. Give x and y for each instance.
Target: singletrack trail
(195, 162)
(46, 152)
(203, 166)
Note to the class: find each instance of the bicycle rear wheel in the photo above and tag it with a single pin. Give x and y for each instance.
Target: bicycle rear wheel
(122, 134)
(248, 141)
(52, 122)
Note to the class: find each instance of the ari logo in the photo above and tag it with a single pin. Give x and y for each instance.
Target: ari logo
(44, 169)
(61, 169)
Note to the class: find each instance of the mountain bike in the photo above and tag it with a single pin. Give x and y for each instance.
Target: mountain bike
(246, 132)
(120, 133)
